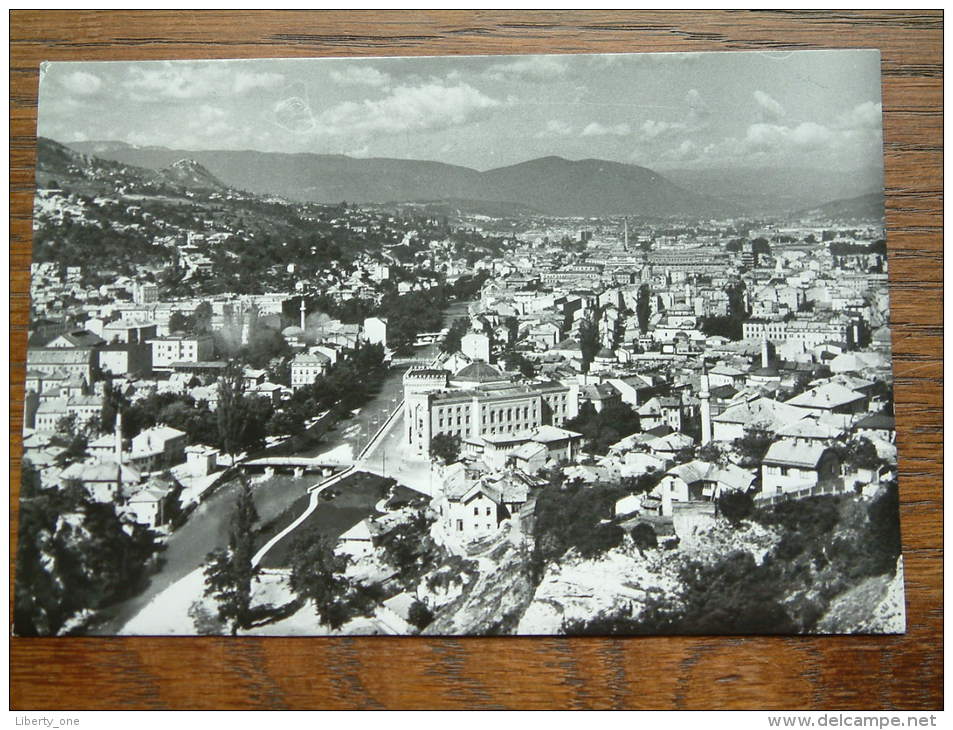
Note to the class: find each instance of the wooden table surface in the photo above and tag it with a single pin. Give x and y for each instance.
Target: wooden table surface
(899, 672)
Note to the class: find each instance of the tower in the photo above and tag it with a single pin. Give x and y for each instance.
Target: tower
(625, 240)
(766, 353)
(705, 398)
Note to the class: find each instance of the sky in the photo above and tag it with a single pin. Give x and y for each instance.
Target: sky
(688, 110)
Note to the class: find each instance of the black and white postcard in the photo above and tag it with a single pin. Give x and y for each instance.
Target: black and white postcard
(526, 345)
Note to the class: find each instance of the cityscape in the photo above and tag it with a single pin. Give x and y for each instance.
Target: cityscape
(289, 374)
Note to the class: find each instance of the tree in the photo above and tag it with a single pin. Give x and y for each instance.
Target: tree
(588, 341)
(178, 322)
(644, 537)
(643, 307)
(231, 411)
(229, 573)
(514, 360)
(454, 337)
(736, 300)
(202, 318)
(420, 615)
(735, 506)
(445, 447)
(753, 446)
(317, 575)
(73, 555)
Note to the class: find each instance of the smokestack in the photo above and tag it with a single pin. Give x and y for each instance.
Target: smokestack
(625, 245)
(302, 314)
(765, 353)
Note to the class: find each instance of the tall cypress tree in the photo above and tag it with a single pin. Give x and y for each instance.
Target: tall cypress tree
(229, 572)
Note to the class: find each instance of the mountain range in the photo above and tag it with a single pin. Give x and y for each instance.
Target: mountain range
(548, 185)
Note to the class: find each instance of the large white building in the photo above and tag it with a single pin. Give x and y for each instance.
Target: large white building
(478, 401)
(180, 348)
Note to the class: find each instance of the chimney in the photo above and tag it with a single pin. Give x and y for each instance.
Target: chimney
(765, 353)
(302, 314)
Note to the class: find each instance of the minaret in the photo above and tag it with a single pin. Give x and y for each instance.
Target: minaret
(302, 314)
(118, 436)
(705, 397)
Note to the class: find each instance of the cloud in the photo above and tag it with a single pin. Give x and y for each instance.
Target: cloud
(361, 76)
(594, 129)
(408, 108)
(555, 128)
(652, 129)
(863, 116)
(167, 80)
(534, 67)
(805, 136)
(769, 110)
(81, 83)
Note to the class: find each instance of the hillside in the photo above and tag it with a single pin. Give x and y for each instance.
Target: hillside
(550, 185)
(862, 208)
(775, 190)
(87, 173)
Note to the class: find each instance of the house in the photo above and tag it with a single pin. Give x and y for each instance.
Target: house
(151, 504)
(127, 332)
(725, 375)
(157, 447)
(180, 348)
(68, 361)
(831, 398)
(767, 413)
(101, 480)
(634, 390)
(471, 506)
(306, 367)
(601, 396)
(475, 346)
(792, 464)
(357, 541)
(125, 359)
(76, 338)
(877, 426)
(201, 460)
(545, 335)
(375, 330)
(84, 407)
(700, 481)
(666, 447)
(530, 457)
(48, 414)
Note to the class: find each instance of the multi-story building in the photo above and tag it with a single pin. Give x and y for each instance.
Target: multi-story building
(180, 348)
(487, 407)
(305, 367)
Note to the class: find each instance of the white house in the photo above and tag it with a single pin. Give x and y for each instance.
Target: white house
(792, 464)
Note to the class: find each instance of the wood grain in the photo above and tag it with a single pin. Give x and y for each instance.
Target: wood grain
(665, 672)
